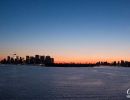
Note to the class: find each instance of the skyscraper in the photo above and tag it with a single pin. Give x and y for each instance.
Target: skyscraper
(27, 60)
(37, 59)
(8, 59)
(42, 59)
(49, 60)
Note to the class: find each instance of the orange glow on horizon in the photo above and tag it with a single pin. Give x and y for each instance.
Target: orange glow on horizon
(62, 59)
(80, 59)
(2, 57)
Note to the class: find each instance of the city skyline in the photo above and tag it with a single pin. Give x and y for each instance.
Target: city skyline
(47, 61)
(37, 59)
(68, 30)
(86, 61)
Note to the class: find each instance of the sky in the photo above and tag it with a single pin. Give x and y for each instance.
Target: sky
(68, 30)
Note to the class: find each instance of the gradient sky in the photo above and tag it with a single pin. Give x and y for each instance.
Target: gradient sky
(68, 30)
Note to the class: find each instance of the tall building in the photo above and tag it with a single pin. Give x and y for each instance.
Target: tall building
(8, 59)
(32, 60)
(21, 60)
(52, 60)
(122, 62)
(37, 59)
(16, 60)
(27, 60)
(49, 60)
(42, 59)
(12, 60)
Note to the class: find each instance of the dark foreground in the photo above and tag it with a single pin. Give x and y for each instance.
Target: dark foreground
(42, 83)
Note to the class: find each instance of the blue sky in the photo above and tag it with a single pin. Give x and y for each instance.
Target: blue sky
(66, 29)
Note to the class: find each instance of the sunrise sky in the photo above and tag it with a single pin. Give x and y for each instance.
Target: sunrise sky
(68, 30)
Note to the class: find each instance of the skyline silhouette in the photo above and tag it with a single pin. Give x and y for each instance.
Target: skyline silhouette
(49, 61)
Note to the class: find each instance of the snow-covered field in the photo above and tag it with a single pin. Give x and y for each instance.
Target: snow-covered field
(41, 83)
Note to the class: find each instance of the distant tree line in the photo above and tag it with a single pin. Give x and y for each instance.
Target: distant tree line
(114, 63)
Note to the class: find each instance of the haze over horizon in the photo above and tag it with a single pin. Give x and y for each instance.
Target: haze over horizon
(68, 30)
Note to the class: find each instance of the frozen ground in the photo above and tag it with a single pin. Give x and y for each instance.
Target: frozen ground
(42, 83)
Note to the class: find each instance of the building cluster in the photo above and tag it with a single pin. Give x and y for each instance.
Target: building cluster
(114, 63)
(37, 59)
